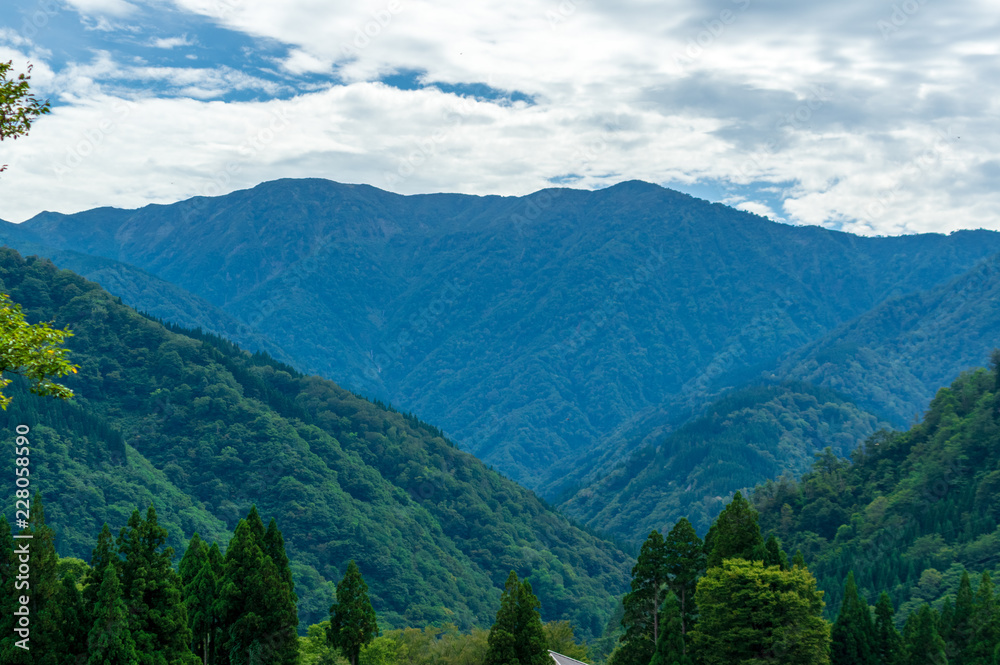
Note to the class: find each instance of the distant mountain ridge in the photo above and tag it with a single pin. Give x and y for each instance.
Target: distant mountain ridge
(549, 333)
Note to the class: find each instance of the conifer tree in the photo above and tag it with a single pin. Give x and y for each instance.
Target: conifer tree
(736, 533)
(517, 635)
(888, 643)
(532, 648)
(110, 641)
(985, 634)
(104, 553)
(282, 621)
(253, 601)
(772, 554)
(152, 592)
(959, 628)
(502, 640)
(200, 597)
(74, 623)
(798, 559)
(924, 645)
(650, 578)
(685, 561)
(352, 618)
(853, 635)
(671, 648)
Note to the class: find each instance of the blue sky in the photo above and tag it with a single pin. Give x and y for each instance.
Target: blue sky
(873, 117)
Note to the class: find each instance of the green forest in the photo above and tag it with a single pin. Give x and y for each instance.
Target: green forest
(886, 558)
(204, 430)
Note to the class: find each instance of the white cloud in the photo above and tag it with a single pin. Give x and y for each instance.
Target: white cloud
(807, 99)
(171, 42)
(117, 8)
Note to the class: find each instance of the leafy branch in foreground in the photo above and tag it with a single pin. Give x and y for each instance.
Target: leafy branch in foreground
(18, 107)
(33, 351)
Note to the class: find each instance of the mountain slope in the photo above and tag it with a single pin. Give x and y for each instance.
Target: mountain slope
(534, 329)
(743, 439)
(434, 531)
(912, 510)
(893, 358)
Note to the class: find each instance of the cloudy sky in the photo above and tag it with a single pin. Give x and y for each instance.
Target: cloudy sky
(873, 117)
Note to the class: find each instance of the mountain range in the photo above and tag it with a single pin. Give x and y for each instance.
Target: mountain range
(564, 336)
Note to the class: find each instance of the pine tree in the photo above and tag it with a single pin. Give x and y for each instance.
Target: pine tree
(924, 645)
(671, 648)
(532, 648)
(772, 554)
(200, 596)
(642, 604)
(104, 553)
(798, 559)
(74, 623)
(502, 640)
(888, 644)
(282, 621)
(517, 635)
(110, 641)
(736, 533)
(152, 592)
(985, 634)
(853, 635)
(352, 619)
(959, 628)
(685, 561)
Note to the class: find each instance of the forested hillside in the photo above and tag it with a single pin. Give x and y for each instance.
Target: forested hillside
(742, 440)
(894, 358)
(911, 511)
(204, 430)
(539, 331)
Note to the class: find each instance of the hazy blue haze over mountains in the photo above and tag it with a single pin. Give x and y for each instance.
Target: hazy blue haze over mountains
(551, 334)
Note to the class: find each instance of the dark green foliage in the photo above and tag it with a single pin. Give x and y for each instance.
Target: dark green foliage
(642, 603)
(798, 560)
(213, 430)
(985, 638)
(256, 605)
(110, 641)
(852, 640)
(746, 438)
(888, 643)
(152, 592)
(352, 619)
(772, 554)
(736, 533)
(201, 597)
(912, 510)
(517, 636)
(671, 649)
(103, 554)
(924, 645)
(73, 624)
(957, 630)
(685, 561)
